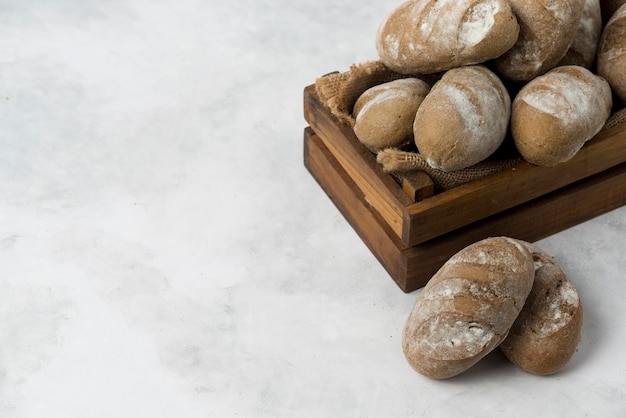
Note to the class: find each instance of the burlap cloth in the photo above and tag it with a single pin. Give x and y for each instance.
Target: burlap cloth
(339, 92)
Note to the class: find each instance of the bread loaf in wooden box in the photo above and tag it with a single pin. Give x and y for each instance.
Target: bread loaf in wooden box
(556, 113)
(546, 32)
(463, 119)
(384, 114)
(612, 53)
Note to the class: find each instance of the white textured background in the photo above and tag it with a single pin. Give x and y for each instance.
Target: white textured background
(164, 253)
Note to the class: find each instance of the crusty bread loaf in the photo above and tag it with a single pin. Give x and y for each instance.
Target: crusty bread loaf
(556, 113)
(612, 53)
(546, 31)
(584, 47)
(463, 119)
(428, 36)
(548, 330)
(384, 114)
(467, 308)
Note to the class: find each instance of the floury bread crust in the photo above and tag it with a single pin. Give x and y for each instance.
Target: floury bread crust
(547, 29)
(429, 36)
(584, 46)
(612, 53)
(547, 332)
(463, 119)
(467, 308)
(384, 114)
(555, 114)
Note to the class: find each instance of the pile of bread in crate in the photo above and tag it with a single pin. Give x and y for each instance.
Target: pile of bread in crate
(459, 79)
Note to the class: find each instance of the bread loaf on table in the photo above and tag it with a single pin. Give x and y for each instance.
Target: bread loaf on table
(555, 114)
(547, 332)
(384, 114)
(584, 46)
(612, 53)
(429, 36)
(467, 308)
(463, 119)
(546, 32)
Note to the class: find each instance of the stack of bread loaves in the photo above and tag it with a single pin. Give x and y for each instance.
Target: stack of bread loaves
(498, 292)
(546, 70)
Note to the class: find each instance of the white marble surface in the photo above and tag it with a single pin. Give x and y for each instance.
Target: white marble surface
(164, 253)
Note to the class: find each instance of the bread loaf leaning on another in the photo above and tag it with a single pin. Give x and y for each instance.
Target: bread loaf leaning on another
(612, 53)
(467, 308)
(555, 114)
(547, 332)
(429, 36)
(584, 46)
(463, 119)
(546, 32)
(384, 114)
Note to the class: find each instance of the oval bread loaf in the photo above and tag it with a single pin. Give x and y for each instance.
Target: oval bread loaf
(584, 46)
(463, 119)
(612, 53)
(467, 308)
(547, 332)
(428, 36)
(547, 29)
(384, 114)
(556, 113)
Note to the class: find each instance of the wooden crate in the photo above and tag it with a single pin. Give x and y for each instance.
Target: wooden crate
(413, 232)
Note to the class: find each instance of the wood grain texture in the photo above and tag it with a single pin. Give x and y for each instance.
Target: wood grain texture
(471, 202)
(419, 219)
(412, 267)
(380, 189)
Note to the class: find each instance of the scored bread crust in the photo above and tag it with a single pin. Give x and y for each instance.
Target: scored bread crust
(555, 114)
(384, 114)
(429, 36)
(466, 309)
(464, 118)
(548, 330)
(584, 46)
(547, 29)
(612, 53)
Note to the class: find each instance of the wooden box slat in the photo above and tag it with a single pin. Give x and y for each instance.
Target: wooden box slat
(412, 266)
(418, 222)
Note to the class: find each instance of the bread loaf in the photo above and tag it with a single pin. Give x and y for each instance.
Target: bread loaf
(612, 53)
(463, 119)
(384, 114)
(584, 47)
(556, 113)
(428, 36)
(468, 307)
(547, 29)
(547, 332)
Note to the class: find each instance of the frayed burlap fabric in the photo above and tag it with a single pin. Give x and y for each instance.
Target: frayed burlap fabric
(340, 91)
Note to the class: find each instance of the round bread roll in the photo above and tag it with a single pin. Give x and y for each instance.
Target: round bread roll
(467, 308)
(612, 53)
(584, 46)
(384, 113)
(463, 119)
(428, 36)
(556, 113)
(548, 330)
(546, 32)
